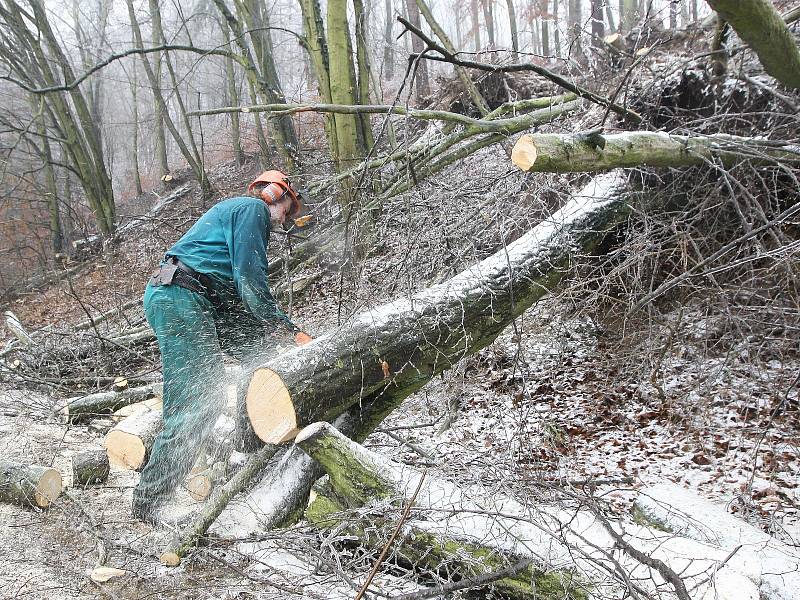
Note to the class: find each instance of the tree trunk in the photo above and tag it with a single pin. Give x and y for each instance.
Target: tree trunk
(29, 485)
(512, 20)
(556, 30)
(422, 87)
(598, 26)
(629, 14)
(488, 18)
(498, 526)
(388, 43)
(404, 343)
(356, 482)
(673, 508)
(555, 153)
(317, 47)
(545, 19)
(463, 75)
(137, 176)
(233, 96)
(90, 467)
(476, 24)
(761, 27)
(364, 75)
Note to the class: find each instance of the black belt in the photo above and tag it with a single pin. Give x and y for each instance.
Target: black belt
(175, 272)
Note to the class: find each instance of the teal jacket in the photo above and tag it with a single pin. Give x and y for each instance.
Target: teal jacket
(229, 244)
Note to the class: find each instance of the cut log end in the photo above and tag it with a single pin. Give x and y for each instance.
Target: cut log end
(48, 488)
(270, 408)
(170, 559)
(524, 153)
(199, 486)
(125, 450)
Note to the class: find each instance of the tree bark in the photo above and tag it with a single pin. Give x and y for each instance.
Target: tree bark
(388, 42)
(405, 343)
(357, 482)
(512, 20)
(555, 153)
(364, 75)
(762, 28)
(29, 485)
(317, 47)
(233, 96)
(85, 408)
(90, 467)
(422, 81)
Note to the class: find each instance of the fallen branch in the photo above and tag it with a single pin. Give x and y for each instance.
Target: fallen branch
(555, 153)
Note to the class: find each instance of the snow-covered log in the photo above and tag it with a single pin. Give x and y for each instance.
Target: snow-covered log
(90, 467)
(613, 559)
(85, 408)
(403, 344)
(570, 153)
(29, 485)
(762, 28)
(685, 513)
(15, 326)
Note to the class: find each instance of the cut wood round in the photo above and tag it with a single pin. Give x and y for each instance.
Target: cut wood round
(202, 483)
(273, 417)
(29, 485)
(153, 404)
(128, 443)
(90, 467)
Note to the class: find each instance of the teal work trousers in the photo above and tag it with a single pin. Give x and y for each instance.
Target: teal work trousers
(192, 336)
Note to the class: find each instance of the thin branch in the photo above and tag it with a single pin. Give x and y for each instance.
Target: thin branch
(451, 58)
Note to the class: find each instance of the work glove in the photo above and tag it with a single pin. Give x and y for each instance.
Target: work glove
(301, 338)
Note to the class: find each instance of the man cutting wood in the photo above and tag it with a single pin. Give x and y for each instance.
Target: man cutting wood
(211, 294)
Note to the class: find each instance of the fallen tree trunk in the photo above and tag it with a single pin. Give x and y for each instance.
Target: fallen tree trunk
(367, 368)
(403, 344)
(676, 509)
(355, 483)
(85, 408)
(556, 153)
(643, 560)
(762, 28)
(29, 485)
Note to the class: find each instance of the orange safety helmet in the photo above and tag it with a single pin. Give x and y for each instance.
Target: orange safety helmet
(276, 187)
